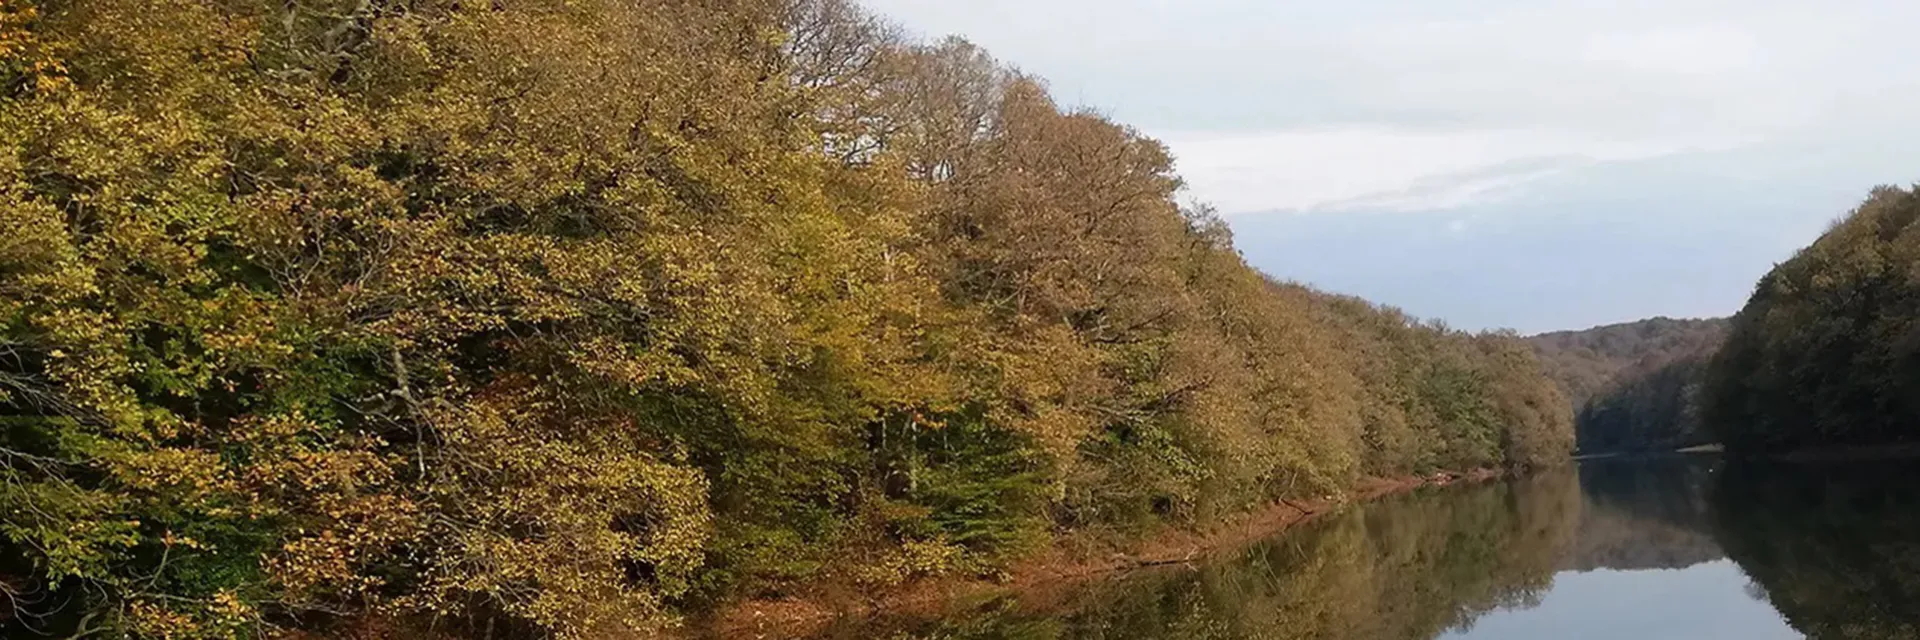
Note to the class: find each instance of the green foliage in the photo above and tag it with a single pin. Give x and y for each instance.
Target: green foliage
(1634, 386)
(1826, 352)
(570, 316)
(1651, 406)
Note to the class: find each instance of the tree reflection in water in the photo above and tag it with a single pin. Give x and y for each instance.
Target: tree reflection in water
(1411, 566)
(1834, 548)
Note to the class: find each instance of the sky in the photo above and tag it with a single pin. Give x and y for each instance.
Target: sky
(1528, 164)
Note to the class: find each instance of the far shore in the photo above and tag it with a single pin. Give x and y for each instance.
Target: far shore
(1712, 447)
(1819, 454)
(1850, 453)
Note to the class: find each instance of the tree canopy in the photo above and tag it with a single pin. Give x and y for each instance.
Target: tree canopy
(564, 318)
(1827, 351)
(1634, 386)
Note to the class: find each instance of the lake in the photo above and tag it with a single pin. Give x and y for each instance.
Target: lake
(1671, 547)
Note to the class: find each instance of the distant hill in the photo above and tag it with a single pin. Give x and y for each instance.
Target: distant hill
(1634, 385)
(1584, 361)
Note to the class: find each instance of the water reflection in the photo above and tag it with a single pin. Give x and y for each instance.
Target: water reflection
(1646, 548)
(1644, 513)
(1835, 548)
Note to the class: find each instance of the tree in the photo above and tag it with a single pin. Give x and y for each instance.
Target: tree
(1634, 386)
(1825, 352)
(567, 318)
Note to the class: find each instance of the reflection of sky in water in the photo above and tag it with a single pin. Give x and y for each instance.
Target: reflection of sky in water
(1703, 602)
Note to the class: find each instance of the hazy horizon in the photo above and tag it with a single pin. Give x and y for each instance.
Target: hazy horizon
(1538, 166)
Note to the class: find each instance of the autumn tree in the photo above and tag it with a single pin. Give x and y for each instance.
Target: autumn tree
(1824, 353)
(567, 318)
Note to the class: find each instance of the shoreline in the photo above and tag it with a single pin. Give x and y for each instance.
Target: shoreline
(1820, 454)
(1698, 449)
(1842, 453)
(1054, 568)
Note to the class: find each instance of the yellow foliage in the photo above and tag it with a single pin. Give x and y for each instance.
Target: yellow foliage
(573, 314)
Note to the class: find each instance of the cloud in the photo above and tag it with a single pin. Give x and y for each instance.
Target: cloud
(1378, 168)
(1304, 105)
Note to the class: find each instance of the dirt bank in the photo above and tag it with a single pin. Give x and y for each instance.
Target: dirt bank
(1048, 572)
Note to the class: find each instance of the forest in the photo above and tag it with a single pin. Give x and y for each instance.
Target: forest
(1634, 387)
(1826, 353)
(569, 318)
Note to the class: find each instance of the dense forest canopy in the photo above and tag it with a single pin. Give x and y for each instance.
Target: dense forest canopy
(1827, 351)
(1651, 406)
(1585, 361)
(548, 317)
(1634, 386)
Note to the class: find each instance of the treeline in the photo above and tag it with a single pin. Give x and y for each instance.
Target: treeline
(1824, 354)
(537, 317)
(1827, 350)
(1634, 386)
(1651, 406)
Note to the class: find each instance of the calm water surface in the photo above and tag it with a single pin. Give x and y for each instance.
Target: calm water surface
(1676, 547)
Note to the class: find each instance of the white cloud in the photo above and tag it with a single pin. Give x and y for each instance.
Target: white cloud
(1420, 104)
(1383, 168)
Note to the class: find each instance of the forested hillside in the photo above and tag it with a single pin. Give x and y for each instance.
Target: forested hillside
(568, 317)
(1634, 386)
(1827, 351)
(1651, 406)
